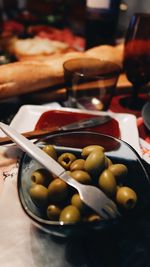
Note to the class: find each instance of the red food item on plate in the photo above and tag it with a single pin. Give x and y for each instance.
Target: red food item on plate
(63, 35)
(12, 27)
(35, 29)
(58, 118)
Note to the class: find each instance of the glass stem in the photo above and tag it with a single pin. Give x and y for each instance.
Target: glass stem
(135, 92)
(136, 101)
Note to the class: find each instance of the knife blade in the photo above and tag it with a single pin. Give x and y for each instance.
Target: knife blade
(77, 125)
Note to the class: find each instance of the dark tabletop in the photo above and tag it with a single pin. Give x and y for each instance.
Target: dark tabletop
(124, 246)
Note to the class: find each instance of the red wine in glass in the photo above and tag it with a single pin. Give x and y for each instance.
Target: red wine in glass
(136, 61)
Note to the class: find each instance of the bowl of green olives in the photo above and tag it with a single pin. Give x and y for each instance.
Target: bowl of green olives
(90, 158)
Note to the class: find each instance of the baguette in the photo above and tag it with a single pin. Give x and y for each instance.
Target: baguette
(29, 76)
(107, 52)
(24, 77)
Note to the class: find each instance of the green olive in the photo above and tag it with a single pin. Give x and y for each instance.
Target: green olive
(78, 164)
(66, 159)
(126, 197)
(82, 177)
(88, 149)
(77, 202)
(57, 190)
(50, 150)
(53, 212)
(108, 162)
(70, 214)
(107, 182)
(119, 170)
(94, 218)
(39, 194)
(41, 176)
(95, 162)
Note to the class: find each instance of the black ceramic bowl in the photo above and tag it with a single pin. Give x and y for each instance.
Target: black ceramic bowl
(118, 151)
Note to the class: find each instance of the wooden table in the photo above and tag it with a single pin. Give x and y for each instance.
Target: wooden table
(59, 94)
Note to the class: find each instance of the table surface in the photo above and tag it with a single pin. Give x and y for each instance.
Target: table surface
(12, 105)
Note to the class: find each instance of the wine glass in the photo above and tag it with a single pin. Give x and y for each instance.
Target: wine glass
(136, 62)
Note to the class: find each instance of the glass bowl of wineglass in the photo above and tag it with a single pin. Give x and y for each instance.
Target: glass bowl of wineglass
(136, 62)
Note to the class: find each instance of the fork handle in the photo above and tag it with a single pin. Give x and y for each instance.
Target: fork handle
(31, 135)
(71, 181)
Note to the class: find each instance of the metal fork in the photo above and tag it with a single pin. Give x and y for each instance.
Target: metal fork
(90, 195)
(93, 197)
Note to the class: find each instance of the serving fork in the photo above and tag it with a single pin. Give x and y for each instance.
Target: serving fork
(90, 195)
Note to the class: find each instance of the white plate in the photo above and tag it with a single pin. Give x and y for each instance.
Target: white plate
(28, 115)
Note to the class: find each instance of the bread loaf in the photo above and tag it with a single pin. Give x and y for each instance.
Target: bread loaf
(28, 76)
(107, 52)
(24, 77)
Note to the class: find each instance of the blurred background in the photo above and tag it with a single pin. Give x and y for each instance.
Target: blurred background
(73, 12)
(81, 24)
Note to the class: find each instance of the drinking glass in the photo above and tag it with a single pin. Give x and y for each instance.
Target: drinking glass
(90, 83)
(136, 61)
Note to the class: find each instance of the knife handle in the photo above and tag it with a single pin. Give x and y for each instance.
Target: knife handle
(31, 135)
